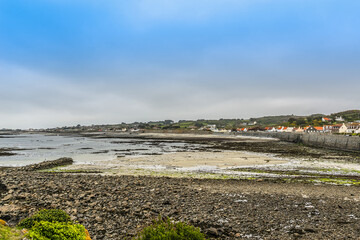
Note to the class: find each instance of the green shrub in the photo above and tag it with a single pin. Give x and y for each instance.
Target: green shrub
(165, 229)
(52, 215)
(7, 233)
(56, 231)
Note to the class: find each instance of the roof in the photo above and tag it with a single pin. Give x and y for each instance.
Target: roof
(327, 119)
(318, 128)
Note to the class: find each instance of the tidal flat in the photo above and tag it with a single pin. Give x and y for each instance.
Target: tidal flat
(228, 156)
(231, 187)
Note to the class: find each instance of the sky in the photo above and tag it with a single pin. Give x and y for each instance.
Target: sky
(69, 62)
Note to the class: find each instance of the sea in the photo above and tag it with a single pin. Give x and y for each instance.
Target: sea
(35, 148)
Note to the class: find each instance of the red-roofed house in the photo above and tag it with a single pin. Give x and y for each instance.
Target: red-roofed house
(319, 129)
(325, 119)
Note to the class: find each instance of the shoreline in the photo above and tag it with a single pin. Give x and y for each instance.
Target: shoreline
(117, 207)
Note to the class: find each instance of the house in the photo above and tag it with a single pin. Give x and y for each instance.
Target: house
(319, 129)
(242, 130)
(328, 128)
(221, 130)
(336, 128)
(270, 129)
(273, 129)
(353, 128)
(331, 128)
(325, 119)
(211, 127)
(310, 129)
(298, 130)
(339, 119)
(343, 128)
(279, 129)
(289, 129)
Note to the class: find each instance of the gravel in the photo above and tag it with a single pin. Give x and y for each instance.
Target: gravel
(118, 207)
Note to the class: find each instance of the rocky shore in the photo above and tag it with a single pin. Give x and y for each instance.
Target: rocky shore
(118, 207)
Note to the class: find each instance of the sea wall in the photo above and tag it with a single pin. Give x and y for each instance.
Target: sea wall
(339, 142)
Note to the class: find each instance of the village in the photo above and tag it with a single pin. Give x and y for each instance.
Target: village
(327, 127)
(346, 123)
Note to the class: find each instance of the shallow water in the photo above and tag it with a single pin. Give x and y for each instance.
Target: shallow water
(38, 148)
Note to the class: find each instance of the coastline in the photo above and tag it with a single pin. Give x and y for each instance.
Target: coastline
(117, 204)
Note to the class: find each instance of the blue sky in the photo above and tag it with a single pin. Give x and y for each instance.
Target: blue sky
(68, 62)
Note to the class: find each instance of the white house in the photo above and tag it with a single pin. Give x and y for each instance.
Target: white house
(343, 128)
(339, 119)
(298, 130)
(353, 128)
(289, 129)
(211, 127)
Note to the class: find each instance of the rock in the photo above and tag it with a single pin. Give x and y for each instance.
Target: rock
(111, 207)
(48, 164)
(213, 231)
(7, 197)
(3, 188)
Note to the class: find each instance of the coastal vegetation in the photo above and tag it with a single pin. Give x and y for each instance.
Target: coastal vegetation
(8, 233)
(167, 229)
(55, 224)
(45, 225)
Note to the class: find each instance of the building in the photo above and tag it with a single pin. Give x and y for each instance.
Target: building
(325, 119)
(353, 128)
(310, 129)
(270, 129)
(343, 128)
(211, 127)
(319, 129)
(339, 119)
(328, 128)
(253, 123)
(289, 129)
(299, 130)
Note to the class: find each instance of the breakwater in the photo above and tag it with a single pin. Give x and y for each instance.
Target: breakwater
(339, 142)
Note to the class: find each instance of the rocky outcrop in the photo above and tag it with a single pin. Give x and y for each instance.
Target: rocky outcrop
(48, 164)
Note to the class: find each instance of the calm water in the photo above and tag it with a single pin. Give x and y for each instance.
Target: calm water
(39, 148)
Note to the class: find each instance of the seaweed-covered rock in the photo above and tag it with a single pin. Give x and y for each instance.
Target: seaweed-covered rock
(48, 164)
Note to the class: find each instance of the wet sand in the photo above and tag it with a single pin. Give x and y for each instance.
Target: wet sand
(185, 161)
